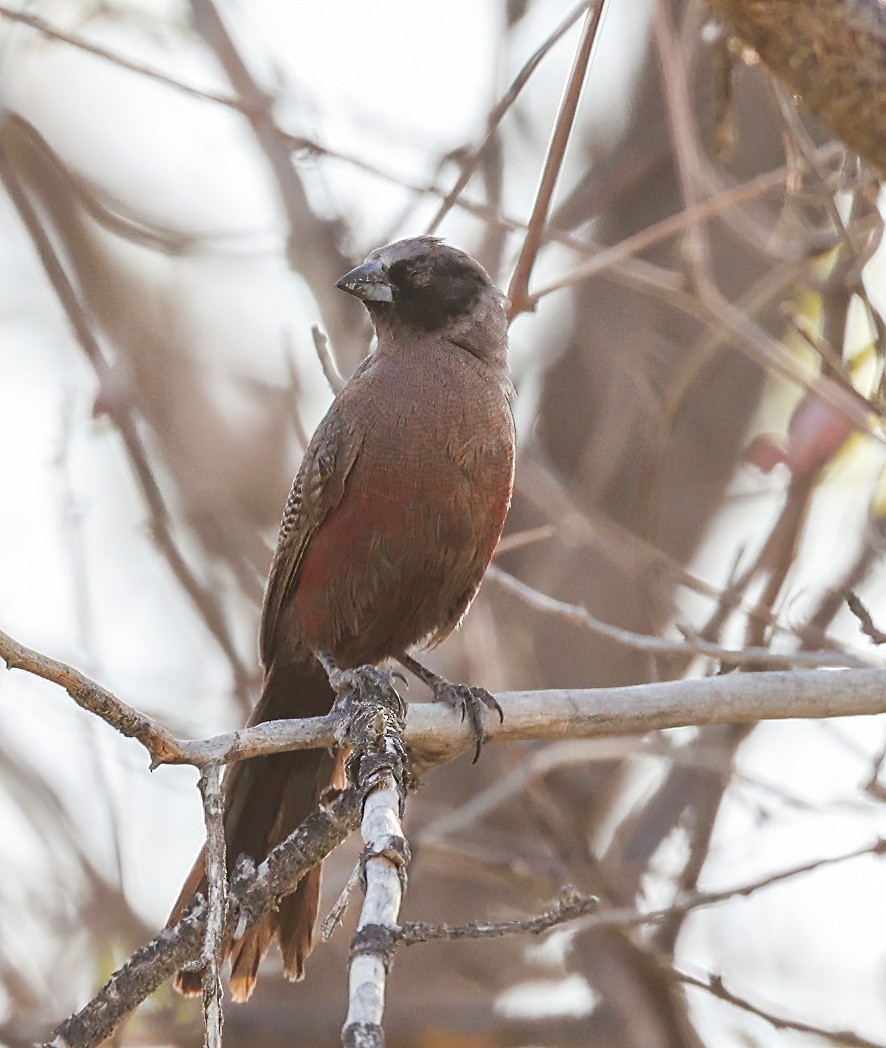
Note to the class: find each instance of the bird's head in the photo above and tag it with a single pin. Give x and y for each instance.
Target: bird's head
(426, 286)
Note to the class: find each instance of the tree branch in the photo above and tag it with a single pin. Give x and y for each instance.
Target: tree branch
(717, 988)
(253, 892)
(690, 644)
(82, 44)
(569, 905)
(383, 773)
(470, 162)
(435, 734)
(518, 290)
(217, 890)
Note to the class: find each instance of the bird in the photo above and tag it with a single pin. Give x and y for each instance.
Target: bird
(390, 524)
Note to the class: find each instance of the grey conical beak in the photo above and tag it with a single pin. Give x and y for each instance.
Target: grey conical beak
(369, 282)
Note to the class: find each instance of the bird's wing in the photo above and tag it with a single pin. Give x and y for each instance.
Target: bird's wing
(318, 487)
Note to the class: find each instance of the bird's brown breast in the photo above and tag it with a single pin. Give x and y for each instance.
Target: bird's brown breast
(429, 441)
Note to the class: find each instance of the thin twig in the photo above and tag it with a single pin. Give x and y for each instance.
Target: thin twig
(715, 986)
(312, 240)
(865, 620)
(677, 223)
(570, 904)
(520, 539)
(472, 160)
(337, 911)
(695, 246)
(573, 904)
(82, 44)
(217, 882)
(580, 616)
(327, 359)
(518, 290)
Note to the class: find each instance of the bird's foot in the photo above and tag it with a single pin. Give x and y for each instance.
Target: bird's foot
(471, 701)
(466, 698)
(355, 687)
(372, 719)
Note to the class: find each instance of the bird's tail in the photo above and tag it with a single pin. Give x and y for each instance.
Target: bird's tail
(265, 800)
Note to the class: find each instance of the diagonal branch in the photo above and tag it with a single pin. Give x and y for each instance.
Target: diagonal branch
(253, 893)
(518, 291)
(82, 44)
(472, 160)
(717, 988)
(202, 598)
(690, 645)
(312, 247)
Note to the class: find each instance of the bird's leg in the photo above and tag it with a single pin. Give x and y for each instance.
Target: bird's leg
(362, 683)
(465, 697)
(373, 718)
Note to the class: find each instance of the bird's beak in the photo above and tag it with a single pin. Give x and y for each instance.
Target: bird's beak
(369, 282)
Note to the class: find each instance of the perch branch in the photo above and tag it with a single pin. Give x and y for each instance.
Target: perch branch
(217, 881)
(382, 770)
(435, 734)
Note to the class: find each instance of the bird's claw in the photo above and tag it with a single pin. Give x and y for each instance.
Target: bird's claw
(471, 701)
(356, 686)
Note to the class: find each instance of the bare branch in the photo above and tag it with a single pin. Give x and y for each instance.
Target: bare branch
(337, 912)
(674, 224)
(865, 620)
(569, 905)
(436, 735)
(572, 904)
(252, 894)
(472, 160)
(384, 776)
(717, 988)
(327, 359)
(117, 59)
(580, 616)
(312, 247)
(217, 881)
(518, 291)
